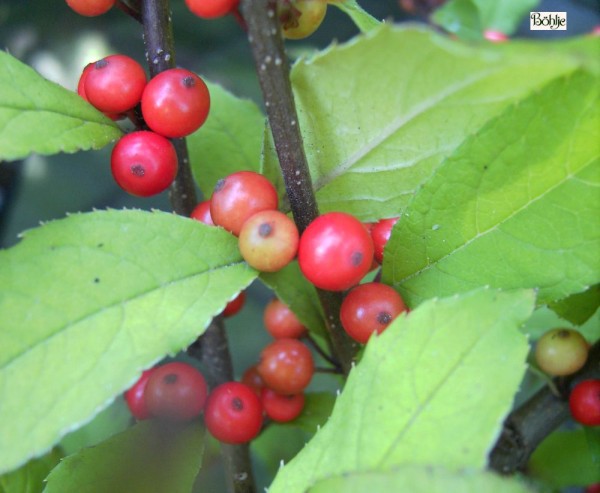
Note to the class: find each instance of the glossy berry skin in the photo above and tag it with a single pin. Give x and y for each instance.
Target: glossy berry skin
(281, 408)
(584, 402)
(211, 9)
(370, 308)
(253, 380)
(233, 413)
(115, 84)
(561, 352)
(380, 234)
(268, 240)
(300, 18)
(335, 251)
(135, 398)
(144, 163)
(91, 8)
(176, 391)
(281, 322)
(238, 197)
(175, 103)
(235, 305)
(202, 213)
(286, 366)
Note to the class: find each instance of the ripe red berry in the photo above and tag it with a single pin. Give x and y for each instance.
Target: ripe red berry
(561, 352)
(211, 9)
(135, 398)
(176, 391)
(380, 234)
(91, 8)
(144, 163)
(115, 84)
(235, 305)
(253, 380)
(286, 366)
(584, 402)
(495, 36)
(281, 322)
(369, 308)
(81, 89)
(175, 103)
(238, 197)
(268, 240)
(233, 413)
(202, 213)
(281, 408)
(335, 251)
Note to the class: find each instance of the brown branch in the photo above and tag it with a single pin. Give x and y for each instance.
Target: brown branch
(212, 348)
(272, 66)
(526, 427)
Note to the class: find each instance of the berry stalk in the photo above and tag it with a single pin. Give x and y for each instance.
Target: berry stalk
(272, 67)
(212, 348)
(527, 426)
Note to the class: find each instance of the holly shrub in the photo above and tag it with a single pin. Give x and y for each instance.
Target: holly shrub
(478, 153)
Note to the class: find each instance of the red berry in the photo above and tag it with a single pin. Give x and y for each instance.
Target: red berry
(211, 9)
(268, 240)
(380, 234)
(91, 8)
(81, 89)
(115, 84)
(495, 36)
(369, 308)
(235, 305)
(286, 366)
(176, 391)
(135, 398)
(584, 402)
(253, 380)
(202, 213)
(281, 322)
(238, 197)
(233, 413)
(144, 163)
(281, 408)
(175, 103)
(593, 488)
(335, 251)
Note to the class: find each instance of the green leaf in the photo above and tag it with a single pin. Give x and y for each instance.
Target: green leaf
(293, 289)
(112, 420)
(230, 140)
(151, 456)
(427, 391)
(579, 307)
(564, 459)
(469, 18)
(30, 477)
(380, 113)
(317, 409)
(37, 115)
(88, 302)
(421, 479)
(460, 17)
(516, 206)
(363, 20)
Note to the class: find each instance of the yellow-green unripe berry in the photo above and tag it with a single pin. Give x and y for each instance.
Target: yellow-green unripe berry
(561, 352)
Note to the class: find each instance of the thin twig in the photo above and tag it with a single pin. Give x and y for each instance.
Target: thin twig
(321, 352)
(526, 427)
(272, 66)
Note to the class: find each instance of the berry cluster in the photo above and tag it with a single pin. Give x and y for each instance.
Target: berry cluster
(563, 352)
(173, 104)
